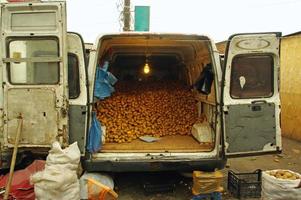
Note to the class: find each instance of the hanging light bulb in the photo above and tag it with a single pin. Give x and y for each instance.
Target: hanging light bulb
(146, 68)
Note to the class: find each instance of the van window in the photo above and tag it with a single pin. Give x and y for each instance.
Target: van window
(30, 71)
(251, 76)
(73, 76)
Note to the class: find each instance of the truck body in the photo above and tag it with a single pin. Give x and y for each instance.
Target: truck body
(45, 78)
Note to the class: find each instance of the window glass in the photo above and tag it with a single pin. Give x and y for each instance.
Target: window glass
(73, 76)
(87, 53)
(252, 76)
(33, 72)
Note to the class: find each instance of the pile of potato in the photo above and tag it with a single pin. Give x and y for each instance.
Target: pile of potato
(284, 174)
(147, 108)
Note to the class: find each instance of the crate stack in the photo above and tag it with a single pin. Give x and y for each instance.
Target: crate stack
(207, 185)
(245, 185)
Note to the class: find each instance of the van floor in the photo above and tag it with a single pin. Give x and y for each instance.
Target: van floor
(174, 143)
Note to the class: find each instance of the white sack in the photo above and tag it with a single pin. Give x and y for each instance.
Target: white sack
(280, 189)
(59, 179)
(68, 192)
(69, 156)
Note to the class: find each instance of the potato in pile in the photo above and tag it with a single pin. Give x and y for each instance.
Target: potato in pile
(147, 108)
(284, 174)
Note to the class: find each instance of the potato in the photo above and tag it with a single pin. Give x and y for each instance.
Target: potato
(272, 173)
(292, 177)
(283, 174)
(288, 174)
(156, 108)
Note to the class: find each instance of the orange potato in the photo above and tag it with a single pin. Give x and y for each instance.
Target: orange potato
(157, 109)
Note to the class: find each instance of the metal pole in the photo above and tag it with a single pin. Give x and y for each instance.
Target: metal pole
(127, 15)
(13, 160)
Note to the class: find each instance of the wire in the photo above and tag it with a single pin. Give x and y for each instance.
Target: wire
(132, 25)
(119, 6)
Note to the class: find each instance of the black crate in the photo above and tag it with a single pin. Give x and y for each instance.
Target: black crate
(245, 185)
(158, 188)
(159, 183)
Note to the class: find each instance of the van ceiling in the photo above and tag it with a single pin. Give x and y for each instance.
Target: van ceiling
(185, 47)
(156, 61)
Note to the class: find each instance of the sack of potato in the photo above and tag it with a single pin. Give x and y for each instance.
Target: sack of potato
(281, 185)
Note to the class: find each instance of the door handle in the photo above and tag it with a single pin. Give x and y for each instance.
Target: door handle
(259, 101)
(256, 108)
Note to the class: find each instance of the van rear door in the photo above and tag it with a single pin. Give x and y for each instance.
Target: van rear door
(250, 100)
(78, 97)
(33, 51)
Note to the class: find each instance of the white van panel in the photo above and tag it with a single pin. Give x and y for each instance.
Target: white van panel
(33, 21)
(32, 17)
(40, 118)
(34, 56)
(251, 103)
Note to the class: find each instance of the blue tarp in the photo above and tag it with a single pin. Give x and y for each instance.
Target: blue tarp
(104, 82)
(95, 134)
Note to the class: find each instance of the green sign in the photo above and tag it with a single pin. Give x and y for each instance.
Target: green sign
(142, 14)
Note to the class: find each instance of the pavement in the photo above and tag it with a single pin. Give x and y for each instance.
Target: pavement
(130, 186)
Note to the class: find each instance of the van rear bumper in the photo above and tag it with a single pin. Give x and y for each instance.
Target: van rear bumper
(152, 166)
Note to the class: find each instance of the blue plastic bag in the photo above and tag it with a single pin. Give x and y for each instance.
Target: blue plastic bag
(111, 78)
(95, 134)
(103, 90)
(104, 82)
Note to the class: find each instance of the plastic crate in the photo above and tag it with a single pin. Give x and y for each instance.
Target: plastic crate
(245, 185)
(210, 196)
(150, 188)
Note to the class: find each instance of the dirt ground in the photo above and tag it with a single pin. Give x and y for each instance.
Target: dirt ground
(130, 186)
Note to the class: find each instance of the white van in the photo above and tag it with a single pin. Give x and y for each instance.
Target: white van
(44, 80)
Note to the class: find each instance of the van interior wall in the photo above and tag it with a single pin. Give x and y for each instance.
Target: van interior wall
(171, 67)
(206, 103)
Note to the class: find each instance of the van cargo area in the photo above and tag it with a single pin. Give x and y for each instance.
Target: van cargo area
(162, 101)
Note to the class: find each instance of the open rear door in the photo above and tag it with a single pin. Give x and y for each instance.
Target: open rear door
(251, 105)
(33, 60)
(78, 97)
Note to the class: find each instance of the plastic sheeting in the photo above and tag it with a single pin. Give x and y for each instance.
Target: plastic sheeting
(104, 82)
(95, 135)
(21, 187)
(102, 178)
(204, 83)
(207, 182)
